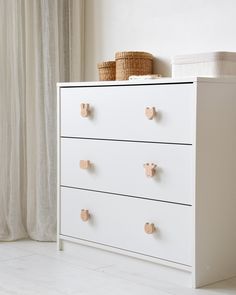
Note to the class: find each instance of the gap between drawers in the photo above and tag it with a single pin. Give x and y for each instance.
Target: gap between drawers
(124, 195)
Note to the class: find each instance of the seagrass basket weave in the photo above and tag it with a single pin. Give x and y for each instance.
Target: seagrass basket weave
(130, 63)
(107, 70)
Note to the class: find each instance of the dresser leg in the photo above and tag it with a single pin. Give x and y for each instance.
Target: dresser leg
(59, 245)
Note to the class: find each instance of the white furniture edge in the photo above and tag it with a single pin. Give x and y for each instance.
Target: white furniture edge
(151, 81)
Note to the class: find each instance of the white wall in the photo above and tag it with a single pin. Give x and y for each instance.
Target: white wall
(161, 27)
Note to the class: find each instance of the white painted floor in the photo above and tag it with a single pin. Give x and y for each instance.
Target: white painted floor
(28, 267)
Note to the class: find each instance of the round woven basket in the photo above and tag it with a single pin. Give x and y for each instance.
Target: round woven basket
(130, 63)
(107, 70)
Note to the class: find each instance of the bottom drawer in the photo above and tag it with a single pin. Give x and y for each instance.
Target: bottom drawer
(119, 221)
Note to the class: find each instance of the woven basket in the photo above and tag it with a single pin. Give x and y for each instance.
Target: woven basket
(107, 70)
(130, 63)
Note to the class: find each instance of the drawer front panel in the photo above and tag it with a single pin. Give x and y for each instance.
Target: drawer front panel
(118, 167)
(119, 222)
(119, 112)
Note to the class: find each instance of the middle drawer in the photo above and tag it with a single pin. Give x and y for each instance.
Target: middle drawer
(127, 168)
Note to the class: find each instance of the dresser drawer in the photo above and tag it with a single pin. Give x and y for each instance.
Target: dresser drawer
(119, 222)
(119, 112)
(118, 167)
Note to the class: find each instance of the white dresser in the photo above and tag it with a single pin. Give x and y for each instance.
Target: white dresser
(148, 170)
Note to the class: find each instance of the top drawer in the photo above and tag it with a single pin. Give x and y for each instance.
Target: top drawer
(118, 112)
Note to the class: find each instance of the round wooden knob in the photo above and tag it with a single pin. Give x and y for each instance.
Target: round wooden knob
(84, 164)
(149, 228)
(85, 214)
(150, 112)
(84, 110)
(150, 169)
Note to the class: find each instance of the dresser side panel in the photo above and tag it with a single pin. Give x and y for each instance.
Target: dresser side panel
(215, 200)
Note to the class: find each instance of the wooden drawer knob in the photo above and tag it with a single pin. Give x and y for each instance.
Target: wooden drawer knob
(150, 112)
(150, 169)
(149, 228)
(84, 215)
(84, 110)
(84, 164)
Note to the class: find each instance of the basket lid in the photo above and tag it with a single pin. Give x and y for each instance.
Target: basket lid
(105, 64)
(133, 54)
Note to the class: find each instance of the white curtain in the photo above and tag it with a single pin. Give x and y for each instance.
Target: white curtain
(37, 41)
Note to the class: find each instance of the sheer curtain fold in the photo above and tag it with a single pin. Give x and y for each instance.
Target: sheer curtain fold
(12, 122)
(35, 54)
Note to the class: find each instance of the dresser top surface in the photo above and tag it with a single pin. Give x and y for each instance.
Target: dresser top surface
(168, 80)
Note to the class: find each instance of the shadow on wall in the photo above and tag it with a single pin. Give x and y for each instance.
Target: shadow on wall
(162, 67)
